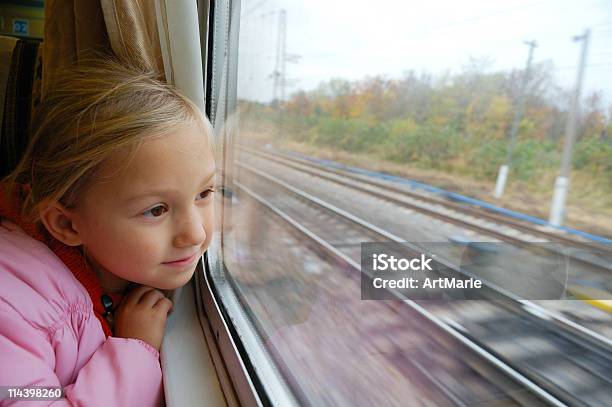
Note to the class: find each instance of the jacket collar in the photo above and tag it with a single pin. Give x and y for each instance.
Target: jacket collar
(70, 256)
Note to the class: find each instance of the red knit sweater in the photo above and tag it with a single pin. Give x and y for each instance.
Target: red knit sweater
(70, 256)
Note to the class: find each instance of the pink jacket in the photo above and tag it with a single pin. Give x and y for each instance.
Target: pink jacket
(49, 335)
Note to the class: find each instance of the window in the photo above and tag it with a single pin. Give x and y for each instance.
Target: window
(342, 123)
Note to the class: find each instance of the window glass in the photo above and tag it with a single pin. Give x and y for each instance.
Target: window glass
(479, 133)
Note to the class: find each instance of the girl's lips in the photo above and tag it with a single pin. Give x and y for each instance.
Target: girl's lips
(182, 262)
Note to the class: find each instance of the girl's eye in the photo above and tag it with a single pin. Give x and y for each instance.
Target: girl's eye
(156, 211)
(206, 194)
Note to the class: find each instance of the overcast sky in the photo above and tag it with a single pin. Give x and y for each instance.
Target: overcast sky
(352, 39)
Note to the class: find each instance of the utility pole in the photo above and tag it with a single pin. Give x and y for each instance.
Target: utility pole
(557, 208)
(502, 175)
(279, 68)
(280, 80)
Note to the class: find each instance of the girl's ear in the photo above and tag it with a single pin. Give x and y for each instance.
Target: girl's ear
(60, 223)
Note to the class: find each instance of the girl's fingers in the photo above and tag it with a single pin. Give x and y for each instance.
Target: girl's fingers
(151, 297)
(163, 304)
(136, 294)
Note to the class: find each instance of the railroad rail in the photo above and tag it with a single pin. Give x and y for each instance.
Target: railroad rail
(598, 259)
(303, 166)
(569, 346)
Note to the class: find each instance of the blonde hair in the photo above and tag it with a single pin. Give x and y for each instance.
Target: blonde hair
(91, 112)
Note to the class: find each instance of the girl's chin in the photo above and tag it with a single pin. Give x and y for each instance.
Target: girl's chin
(178, 283)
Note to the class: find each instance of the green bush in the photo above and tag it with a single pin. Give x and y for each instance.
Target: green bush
(532, 157)
(595, 156)
(423, 145)
(486, 157)
(529, 159)
(353, 135)
(428, 145)
(592, 152)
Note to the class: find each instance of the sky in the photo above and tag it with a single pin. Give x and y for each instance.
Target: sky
(352, 39)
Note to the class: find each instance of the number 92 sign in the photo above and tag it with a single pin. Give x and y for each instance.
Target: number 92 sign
(20, 27)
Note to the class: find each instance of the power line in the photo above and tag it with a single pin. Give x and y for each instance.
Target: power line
(477, 18)
(252, 9)
(595, 65)
(603, 24)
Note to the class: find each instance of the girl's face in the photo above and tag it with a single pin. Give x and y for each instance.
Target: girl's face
(150, 221)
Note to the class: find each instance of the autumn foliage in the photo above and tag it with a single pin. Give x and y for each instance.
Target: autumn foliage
(457, 123)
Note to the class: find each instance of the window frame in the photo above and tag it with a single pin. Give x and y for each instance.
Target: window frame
(247, 373)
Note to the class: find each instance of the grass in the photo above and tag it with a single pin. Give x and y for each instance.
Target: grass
(589, 206)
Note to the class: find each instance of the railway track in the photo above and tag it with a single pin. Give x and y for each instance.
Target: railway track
(587, 271)
(562, 346)
(445, 355)
(595, 257)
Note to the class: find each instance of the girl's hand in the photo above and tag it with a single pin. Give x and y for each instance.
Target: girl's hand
(142, 315)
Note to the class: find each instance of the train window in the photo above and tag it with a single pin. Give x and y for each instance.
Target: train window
(452, 129)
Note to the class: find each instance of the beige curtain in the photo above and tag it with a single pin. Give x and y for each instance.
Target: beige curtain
(78, 29)
(7, 45)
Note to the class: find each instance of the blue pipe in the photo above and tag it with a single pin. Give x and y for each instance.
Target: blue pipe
(454, 196)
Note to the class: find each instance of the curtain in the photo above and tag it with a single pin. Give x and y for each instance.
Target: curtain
(77, 30)
(17, 74)
(132, 30)
(7, 45)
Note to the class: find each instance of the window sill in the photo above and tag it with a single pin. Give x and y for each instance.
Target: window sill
(189, 375)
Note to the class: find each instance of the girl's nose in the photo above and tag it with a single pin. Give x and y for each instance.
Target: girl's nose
(191, 231)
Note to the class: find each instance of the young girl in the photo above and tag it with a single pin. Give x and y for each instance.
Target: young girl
(111, 203)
